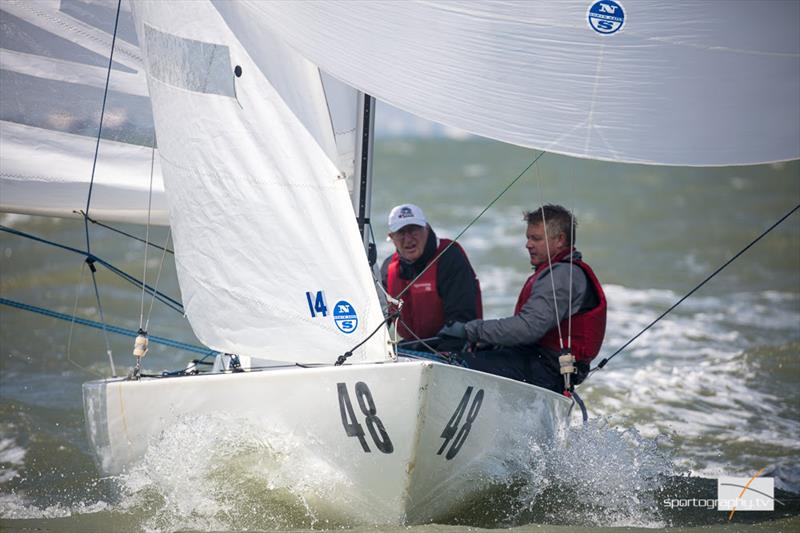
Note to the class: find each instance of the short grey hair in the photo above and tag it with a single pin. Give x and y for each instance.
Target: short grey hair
(558, 218)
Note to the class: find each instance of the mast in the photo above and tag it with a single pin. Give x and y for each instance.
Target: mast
(362, 189)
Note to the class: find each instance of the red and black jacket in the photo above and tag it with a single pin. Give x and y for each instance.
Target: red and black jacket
(448, 290)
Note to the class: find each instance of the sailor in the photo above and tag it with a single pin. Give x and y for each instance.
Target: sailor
(527, 345)
(447, 290)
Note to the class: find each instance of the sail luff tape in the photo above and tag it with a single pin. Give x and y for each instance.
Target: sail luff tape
(140, 346)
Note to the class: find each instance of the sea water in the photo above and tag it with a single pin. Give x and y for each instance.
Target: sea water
(710, 390)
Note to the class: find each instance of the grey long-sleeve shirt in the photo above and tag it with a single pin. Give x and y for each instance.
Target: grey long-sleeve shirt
(538, 315)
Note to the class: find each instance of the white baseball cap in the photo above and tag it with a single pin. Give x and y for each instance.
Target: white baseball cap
(405, 214)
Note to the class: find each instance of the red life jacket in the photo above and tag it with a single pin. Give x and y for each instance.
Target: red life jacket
(588, 327)
(423, 308)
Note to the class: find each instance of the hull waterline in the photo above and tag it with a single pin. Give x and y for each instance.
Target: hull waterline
(406, 442)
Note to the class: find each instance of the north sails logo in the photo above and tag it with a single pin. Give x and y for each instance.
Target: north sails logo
(606, 17)
(345, 317)
(405, 212)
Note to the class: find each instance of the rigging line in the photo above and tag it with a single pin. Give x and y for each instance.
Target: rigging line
(387, 298)
(158, 278)
(100, 126)
(72, 326)
(91, 186)
(421, 341)
(112, 329)
(549, 261)
(435, 259)
(44, 241)
(571, 257)
(170, 302)
(163, 298)
(147, 235)
(92, 269)
(708, 278)
(378, 282)
(342, 358)
(117, 230)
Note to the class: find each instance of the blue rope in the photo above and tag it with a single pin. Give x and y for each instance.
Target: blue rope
(161, 297)
(113, 329)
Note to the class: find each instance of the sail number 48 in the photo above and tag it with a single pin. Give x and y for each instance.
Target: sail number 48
(351, 425)
(452, 430)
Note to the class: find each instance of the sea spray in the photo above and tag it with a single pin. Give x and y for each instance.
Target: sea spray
(599, 474)
(608, 475)
(224, 473)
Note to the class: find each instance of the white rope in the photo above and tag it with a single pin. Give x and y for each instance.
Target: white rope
(571, 257)
(549, 261)
(103, 321)
(72, 326)
(389, 298)
(158, 278)
(147, 236)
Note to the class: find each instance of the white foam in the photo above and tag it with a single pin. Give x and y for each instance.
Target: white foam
(689, 375)
(610, 476)
(11, 456)
(14, 506)
(201, 468)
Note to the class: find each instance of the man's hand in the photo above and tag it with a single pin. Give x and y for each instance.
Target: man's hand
(455, 330)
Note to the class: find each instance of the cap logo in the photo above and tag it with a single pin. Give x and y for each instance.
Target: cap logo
(405, 212)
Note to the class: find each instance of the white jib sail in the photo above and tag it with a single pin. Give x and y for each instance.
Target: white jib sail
(268, 254)
(647, 81)
(53, 69)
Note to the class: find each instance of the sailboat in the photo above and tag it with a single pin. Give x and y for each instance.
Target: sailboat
(262, 121)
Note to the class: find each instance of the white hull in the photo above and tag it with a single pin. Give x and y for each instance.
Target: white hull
(410, 472)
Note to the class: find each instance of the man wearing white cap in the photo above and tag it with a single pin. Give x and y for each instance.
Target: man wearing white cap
(443, 286)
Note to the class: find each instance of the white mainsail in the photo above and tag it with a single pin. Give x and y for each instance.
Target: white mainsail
(266, 242)
(47, 172)
(268, 254)
(678, 83)
(53, 68)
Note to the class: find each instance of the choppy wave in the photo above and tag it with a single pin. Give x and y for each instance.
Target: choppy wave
(716, 374)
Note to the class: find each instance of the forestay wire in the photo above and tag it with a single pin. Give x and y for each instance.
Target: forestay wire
(89, 260)
(605, 361)
(147, 236)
